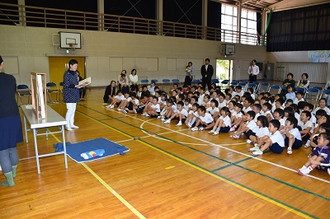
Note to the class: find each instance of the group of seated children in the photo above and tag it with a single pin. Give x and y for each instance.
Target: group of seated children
(270, 123)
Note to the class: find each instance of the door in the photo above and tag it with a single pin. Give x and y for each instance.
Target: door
(58, 65)
(224, 69)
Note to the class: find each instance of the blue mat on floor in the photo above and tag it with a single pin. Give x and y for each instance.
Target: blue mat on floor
(92, 149)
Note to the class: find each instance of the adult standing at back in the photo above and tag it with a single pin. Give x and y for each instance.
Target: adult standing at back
(10, 126)
(189, 74)
(71, 95)
(253, 71)
(207, 73)
(134, 78)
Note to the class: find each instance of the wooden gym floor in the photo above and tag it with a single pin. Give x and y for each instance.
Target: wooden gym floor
(169, 172)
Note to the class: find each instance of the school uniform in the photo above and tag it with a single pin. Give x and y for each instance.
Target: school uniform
(207, 119)
(227, 124)
(256, 117)
(304, 126)
(253, 128)
(212, 110)
(222, 104)
(201, 99)
(261, 132)
(187, 107)
(326, 109)
(323, 152)
(297, 139)
(282, 122)
(195, 116)
(246, 109)
(237, 114)
(296, 101)
(277, 142)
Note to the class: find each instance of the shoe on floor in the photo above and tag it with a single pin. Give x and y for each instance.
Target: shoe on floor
(289, 151)
(248, 141)
(68, 128)
(257, 152)
(201, 128)
(211, 132)
(215, 133)
(167, 121)
(179, 124)
(194, 129)
(254, 149)
(74, 127)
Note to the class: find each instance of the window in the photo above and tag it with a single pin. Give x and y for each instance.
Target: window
(229, 23)
(248, 27)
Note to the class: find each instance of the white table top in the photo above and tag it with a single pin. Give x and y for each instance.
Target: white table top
(53, 118)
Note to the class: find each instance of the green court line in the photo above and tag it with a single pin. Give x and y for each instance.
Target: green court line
(211, 173)
(229, 165)
(215, 157)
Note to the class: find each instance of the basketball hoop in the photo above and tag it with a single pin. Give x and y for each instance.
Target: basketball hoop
(72, 45)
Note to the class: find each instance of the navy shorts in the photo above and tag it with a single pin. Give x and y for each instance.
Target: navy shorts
(224, 129)
(249, 133)
(296, 145)
(276, 148)
(306, 138)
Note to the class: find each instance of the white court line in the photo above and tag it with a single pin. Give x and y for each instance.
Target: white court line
(229, 149)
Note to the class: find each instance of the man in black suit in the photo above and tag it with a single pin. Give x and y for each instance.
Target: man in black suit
(207, 72)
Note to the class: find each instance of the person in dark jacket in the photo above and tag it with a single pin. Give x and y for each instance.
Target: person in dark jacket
(71, 94)
(207, 72)
(110, 91)
(10, 127)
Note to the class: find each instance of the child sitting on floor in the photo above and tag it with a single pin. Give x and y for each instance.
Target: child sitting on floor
(306, 125)
(320, 156)
(192, 115)
(262, 123)
(153, 109)
(236, 116)
(292, 134)
(275, 141)
(250, 128)
(116, 100)
(204, 120)
(213, 109)
(223, 123)
(181, 114)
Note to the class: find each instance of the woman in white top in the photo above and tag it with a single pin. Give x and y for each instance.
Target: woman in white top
(134, 78)
(304, 82)
(253, 71)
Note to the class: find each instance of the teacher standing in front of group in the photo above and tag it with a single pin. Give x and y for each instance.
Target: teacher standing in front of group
(207, 73)
(253, 71)
(71, 94)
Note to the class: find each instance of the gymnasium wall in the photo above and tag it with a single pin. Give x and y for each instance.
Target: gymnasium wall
(26, 49)
(298, 62)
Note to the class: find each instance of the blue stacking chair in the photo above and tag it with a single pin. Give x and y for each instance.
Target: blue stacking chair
(145, 81)
(166, 80)
(23, 91)
(154, 80)
(312, 95)
(215, 81)
(175, 80)
(299, 89)
(263, 87)
(274, 89)
(52, 89)
(234, 83)
(195, 81)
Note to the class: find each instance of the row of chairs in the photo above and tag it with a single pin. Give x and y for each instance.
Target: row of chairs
(146, 81)
(23, 90)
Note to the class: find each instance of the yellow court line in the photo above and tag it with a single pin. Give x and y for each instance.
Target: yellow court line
(211, 174)
(119, 197)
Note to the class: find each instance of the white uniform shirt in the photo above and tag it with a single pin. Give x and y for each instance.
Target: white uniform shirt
(305, 125)
(156, 107)
(212, 110)
(183, 112)
(252, 125)
(119, 97)
(261, 132)
(245, 110)
(326, 109)
(195, 114)
(295, 132)
(226, 121)
(207, 118)
(187, 107)
(253, 69)
(277, 138)
(133, 78)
